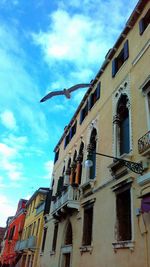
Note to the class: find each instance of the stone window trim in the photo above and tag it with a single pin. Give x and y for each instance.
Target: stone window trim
(123, 244)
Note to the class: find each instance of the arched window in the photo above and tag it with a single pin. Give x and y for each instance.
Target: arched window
(79, 164)
(93, 155)
(123, 132)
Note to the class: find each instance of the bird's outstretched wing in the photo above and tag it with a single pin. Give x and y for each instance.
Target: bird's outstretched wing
(51, 94)
(77, 86)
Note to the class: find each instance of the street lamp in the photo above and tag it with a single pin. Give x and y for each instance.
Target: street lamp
(133, 166)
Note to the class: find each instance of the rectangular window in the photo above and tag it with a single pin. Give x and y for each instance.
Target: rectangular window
(12, 230)
(120, 59)
(55, 237)
(44, 239)
(94, 96)
(123, 209)
(56, 156)
(38, 224)
(87, 225)
(67, 139)
(84, 113)
(144, 22)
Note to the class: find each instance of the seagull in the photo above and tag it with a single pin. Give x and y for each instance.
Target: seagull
(66, 92)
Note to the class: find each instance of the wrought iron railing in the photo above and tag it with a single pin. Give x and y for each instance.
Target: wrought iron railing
(144, 143)
(71, 194)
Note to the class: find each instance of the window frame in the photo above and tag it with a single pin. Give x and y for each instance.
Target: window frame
(122, 57)
(87, 240)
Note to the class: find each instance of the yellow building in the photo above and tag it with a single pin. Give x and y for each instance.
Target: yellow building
(30, 244)
(100, 214)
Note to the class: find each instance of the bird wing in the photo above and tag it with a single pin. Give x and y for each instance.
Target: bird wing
(77, 86)
(51, 94)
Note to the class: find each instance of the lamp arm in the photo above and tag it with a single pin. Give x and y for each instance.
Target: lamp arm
(133, 166)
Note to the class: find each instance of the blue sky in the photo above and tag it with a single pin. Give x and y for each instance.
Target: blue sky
(45, 45)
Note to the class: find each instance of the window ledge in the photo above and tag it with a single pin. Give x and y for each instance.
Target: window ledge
(52, 253)
(123, 244)
(86, 249)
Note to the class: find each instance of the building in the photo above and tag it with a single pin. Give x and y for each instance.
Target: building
(2, 233)
(100, 213)
(29, 246)
(9, 257)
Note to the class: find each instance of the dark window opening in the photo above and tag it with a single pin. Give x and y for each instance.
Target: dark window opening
(80, 158)
(123, 114)
(55, 237)
(123, 206)
(67, 139)
(144, 22)
(94, 96)
(68, 238)
(67, 259)
(83, 113)
(12, 230)
(120, 59)
(44, 239)
(93, 155)
(60, 185)
(56, 156)
(87, 225)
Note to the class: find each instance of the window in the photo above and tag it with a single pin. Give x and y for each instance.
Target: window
(92, 156)
(55, 237)
(146, 92)
(44, 239)
(73, 130)
(87, 225)
(94, 96)
(60, 185)
(144, 22)
(123, 209)
(83, 113)
(67, 138)
(11, 233)
(120, 59)
(122, 126)
(56, 156)
(38, 224)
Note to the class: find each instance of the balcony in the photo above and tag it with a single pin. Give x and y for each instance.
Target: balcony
(21, 245)
(68, 200)
(29, 243)
(144, 144)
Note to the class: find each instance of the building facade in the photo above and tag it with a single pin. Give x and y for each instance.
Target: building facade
(100, 213)
(9, 257)
(29, 246)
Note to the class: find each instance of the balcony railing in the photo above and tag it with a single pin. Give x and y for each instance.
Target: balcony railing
(144, 144)
(29, 243)
(69, 199)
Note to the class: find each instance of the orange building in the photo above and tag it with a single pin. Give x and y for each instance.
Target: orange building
(9, 256)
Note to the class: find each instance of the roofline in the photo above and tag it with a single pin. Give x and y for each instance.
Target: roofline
(128, 26)
(43, 190)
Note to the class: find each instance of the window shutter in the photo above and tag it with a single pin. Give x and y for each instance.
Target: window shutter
(126, 50)
(90, 102)
(141, 26)
(114, 67)
(98, 91)
(81, 116)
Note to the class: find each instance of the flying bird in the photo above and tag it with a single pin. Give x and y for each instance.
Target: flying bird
(66, 92)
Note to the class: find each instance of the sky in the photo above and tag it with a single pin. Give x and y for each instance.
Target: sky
(44, 46)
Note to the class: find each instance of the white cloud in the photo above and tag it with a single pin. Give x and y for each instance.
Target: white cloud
(48, 166)
(9, 160)
(6, 208)
(8, 119)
